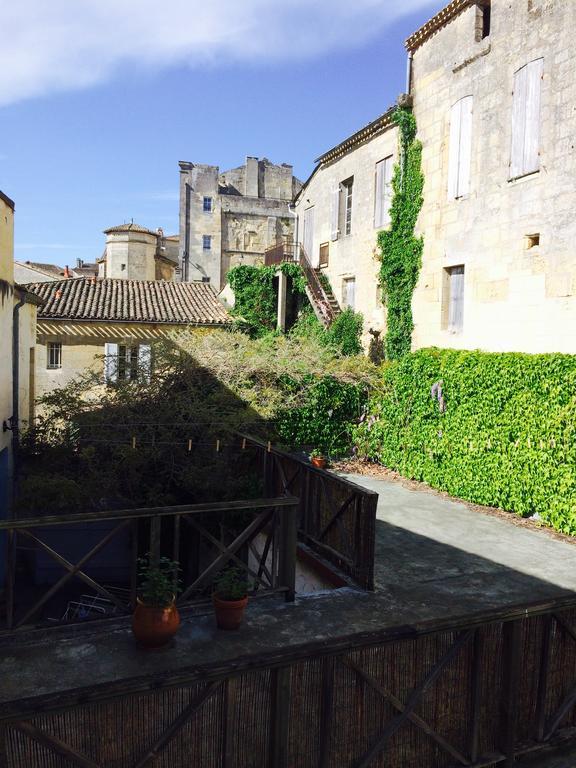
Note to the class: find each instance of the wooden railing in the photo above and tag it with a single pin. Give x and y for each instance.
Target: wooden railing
(280, 253)
(336, 518)
(211, 540)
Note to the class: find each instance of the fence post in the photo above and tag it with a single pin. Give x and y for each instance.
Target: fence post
(288, 537)
(280, 717)
(511, 664)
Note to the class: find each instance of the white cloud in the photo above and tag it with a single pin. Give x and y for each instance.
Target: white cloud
(69, 44)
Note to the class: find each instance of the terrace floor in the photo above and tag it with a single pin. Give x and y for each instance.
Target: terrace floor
(438, 564)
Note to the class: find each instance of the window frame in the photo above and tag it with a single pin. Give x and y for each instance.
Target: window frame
(207, 204)
(453, 315)
(206, 239)
(346, 281)
(383, 191)
(345, 207)
(50, 347)
(324, 255)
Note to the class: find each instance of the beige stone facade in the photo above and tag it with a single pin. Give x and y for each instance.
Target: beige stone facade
(134, 252)
(513, 236)
(231, 218)
(17, 348)
(346, 250)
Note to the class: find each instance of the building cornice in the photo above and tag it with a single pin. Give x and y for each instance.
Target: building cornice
(365, 134)
(442, 18)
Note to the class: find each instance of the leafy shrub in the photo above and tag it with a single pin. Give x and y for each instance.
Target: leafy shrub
(495, 429)
(325, 418)
(345, 332)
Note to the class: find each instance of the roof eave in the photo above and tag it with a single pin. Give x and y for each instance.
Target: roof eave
(436, 23)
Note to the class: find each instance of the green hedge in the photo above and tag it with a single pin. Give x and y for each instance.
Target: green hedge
(495, 429)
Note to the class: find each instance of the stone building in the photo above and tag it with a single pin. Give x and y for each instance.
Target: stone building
(40, 272)
(340, 210)
(232, 217)
(493, 95)
(17, 349)
(494, 98)
(134, 252)
(108, 325)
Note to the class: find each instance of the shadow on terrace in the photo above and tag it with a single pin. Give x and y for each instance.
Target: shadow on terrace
(179, 467)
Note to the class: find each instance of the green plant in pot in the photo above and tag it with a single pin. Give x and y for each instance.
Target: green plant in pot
(156, 619)
(230, 598)
(318, 458)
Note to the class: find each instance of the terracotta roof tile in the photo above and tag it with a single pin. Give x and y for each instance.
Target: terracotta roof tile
(131, 226)
(442, 18)
(144, 301)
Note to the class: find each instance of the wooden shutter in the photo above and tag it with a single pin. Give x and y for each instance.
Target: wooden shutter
(526, 120)
(145, 361)
(350, 293)
(334, 213)
(456, 308)
(460, 148)
(111, 362)
(308, 237)
(388, 175)
(379, 194)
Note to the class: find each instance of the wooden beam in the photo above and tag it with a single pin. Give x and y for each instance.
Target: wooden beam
(230, 722)
(565, 625)
(336, 516)
(125, 514)
(326, 712)
(560, 714)
(54, 744)
(280, 717)
(477, 666)
(543, 677)
(287, 552)
(413, 717)
(414, 698)
(178, 724)
(73, 570)
(511, 664)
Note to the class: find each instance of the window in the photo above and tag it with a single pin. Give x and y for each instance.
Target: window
(123, 362)
(345, 207)
(207, 205)
(349, 293)
(54, 355)
(308, 233)
(206, 242)
(453, 305)
(483, 19)
(460, 148)
(324, 253)
(383, 194)
(525, 153)
(532, 241)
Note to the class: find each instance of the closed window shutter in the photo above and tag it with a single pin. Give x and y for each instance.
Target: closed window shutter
(388, 174)
(111, 362)
(533, 97)
(525, 156)
(309, 232)
(379, 194)
(145, 361)
(465, 146)
(454, 149)
(456, 309)
(334, 213)
(460, 148)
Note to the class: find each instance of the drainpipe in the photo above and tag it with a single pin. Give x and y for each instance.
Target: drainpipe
(16, 376)
(409, 72)
(292, 211)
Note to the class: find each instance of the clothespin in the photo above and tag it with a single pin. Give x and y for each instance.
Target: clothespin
(134, 441)
(244, 444)
(217, 446)
(269, 446)
(189, 445)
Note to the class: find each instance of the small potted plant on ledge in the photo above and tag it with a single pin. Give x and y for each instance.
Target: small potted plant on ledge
(318, 459)
(156, 619)
(230, 598)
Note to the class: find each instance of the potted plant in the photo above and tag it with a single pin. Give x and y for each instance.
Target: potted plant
(156, 619)
(230, 598)
(318, 459)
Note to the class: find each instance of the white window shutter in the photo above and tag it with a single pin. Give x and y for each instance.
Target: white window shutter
(379, 193)
(145, 361)
(388, 191)
(456, 308)
(518, 122)
(465, 146)
(309, 235)
(454, 150)
(335, 213)
(531, 158)
(111, 362)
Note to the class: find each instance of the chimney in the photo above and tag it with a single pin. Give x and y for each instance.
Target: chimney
(251, 177)
(66, 271)
(79, 263)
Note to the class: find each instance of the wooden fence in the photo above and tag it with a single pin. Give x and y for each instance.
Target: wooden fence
(272, 571)
(336, 518)
(467, 695)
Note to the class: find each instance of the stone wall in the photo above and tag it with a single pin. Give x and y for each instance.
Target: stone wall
(516, 297)
(6, 307)
(131, 255)
(353, 255)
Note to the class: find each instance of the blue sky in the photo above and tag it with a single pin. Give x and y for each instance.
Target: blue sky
(91, 132)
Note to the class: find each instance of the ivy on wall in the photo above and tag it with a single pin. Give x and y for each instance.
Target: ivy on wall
(400, 249)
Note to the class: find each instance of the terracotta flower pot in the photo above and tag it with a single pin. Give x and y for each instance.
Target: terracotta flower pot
(229, 613)
(319, 461)
(153, 627)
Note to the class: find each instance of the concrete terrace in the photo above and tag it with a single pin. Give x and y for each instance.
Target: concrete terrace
(438, 564)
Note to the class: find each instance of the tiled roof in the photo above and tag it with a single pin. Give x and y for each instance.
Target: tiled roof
(364, 134)
(144, 301)
(437, 22)
(52, 270)
(131, 226)
(7, 200)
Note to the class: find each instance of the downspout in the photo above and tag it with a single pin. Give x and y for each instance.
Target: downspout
(16, 377)
(292, 211)
(409, 72)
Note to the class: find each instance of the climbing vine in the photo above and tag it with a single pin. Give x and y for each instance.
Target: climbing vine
(400, 249)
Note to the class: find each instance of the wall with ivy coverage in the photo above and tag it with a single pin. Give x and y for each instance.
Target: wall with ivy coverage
(497, 429)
